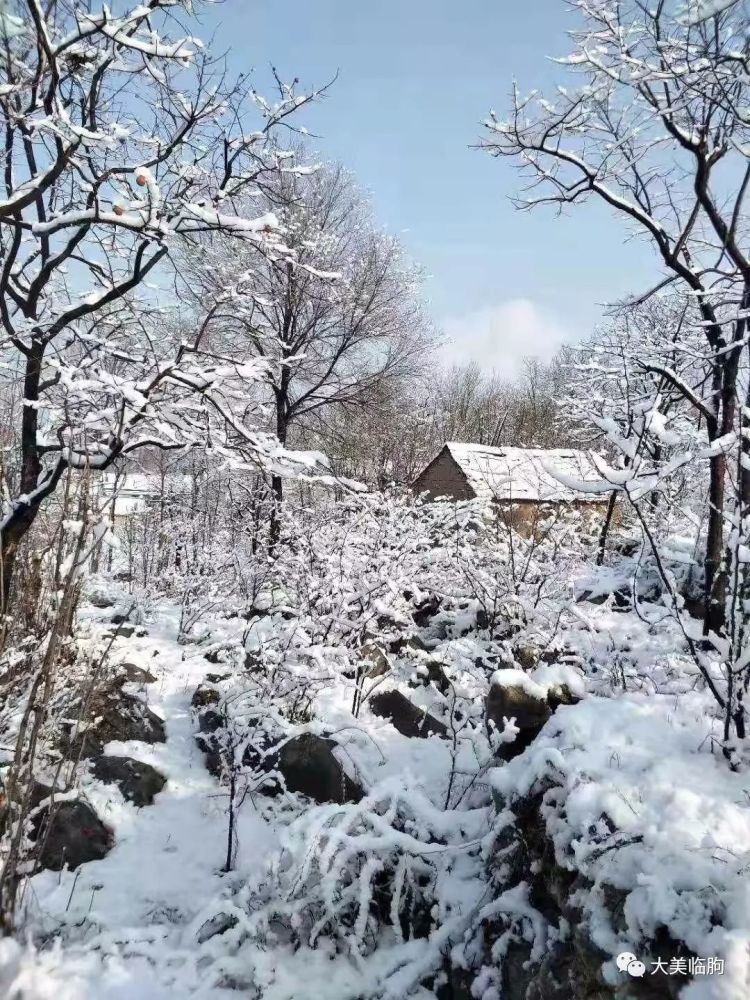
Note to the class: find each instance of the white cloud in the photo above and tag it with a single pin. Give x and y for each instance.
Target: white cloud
(499, 337)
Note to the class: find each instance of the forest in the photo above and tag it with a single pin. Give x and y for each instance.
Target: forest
(277, 720)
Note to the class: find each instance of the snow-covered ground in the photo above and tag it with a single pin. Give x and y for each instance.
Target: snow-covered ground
(130, 926)
(382, 896)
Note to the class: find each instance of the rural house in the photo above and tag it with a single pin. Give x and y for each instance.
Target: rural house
(136, 493)
(526, 482)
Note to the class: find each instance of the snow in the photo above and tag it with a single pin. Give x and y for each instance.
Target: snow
(677, 836)
(518, 679)
(143, 899)
(633, 796)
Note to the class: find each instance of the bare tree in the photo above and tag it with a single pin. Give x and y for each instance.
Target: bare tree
(119, 141)
(656, 127)
(339, 317)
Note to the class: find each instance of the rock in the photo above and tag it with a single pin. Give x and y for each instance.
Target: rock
(526, 655)
(432, 672)
(695, 607)
(139, 782)
(253, 660)
(620, 598)
(529, 710)
(403, 642)
(457, 985)
(205, 695)
(375, 661)
(561, 694)
(69, 833)
(209, 740)
(260, 756)
(306, 763)
(131, 673)
(426, 609)
(309, 767)
(116, 715)
(119, 618)
(405, 716)
(125, 631)
(217, 678)
(571, 967)
(101, 599)
(210, 721)
(218, 924)
(440, 628)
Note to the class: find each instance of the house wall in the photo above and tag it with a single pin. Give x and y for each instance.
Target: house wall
(528, 516)
(443, 478)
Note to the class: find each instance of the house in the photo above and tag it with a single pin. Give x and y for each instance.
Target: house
(524, 483)
(127, 495)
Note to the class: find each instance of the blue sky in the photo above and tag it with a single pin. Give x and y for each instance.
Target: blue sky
(416, 77)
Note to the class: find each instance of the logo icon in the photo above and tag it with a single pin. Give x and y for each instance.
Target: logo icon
(626, 961)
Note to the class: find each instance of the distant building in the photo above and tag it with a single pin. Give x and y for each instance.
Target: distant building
(524, 483)
(135, 493)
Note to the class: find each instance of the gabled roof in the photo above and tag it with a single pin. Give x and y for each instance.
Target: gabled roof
(526, 473)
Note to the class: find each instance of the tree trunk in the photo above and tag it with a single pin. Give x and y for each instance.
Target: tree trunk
(25, 511)
(716, 567)
(277, 484)
(602, 542)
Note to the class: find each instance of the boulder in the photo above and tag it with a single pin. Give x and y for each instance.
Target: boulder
(101, 599)
(261, 757)
(527, 655)
(125, 631)
(115, 715)
(402, 642)
(217, 678)
(483, 619)
(253, 660)
(433, 672)
(570, 967)
(560, 694)
(69, 833)
(426, 609)
(310, 768)
(374, 660)
(621, 598)
(131, 673)
(306, 763)
(405, 716)
(215, 655)
(138, 782)
(522, 702)
(210, 721)
(209, 740)
(205, 695)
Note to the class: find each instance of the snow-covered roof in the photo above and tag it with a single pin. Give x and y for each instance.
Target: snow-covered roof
(525, 473)
(143, 484)
(133, 492)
